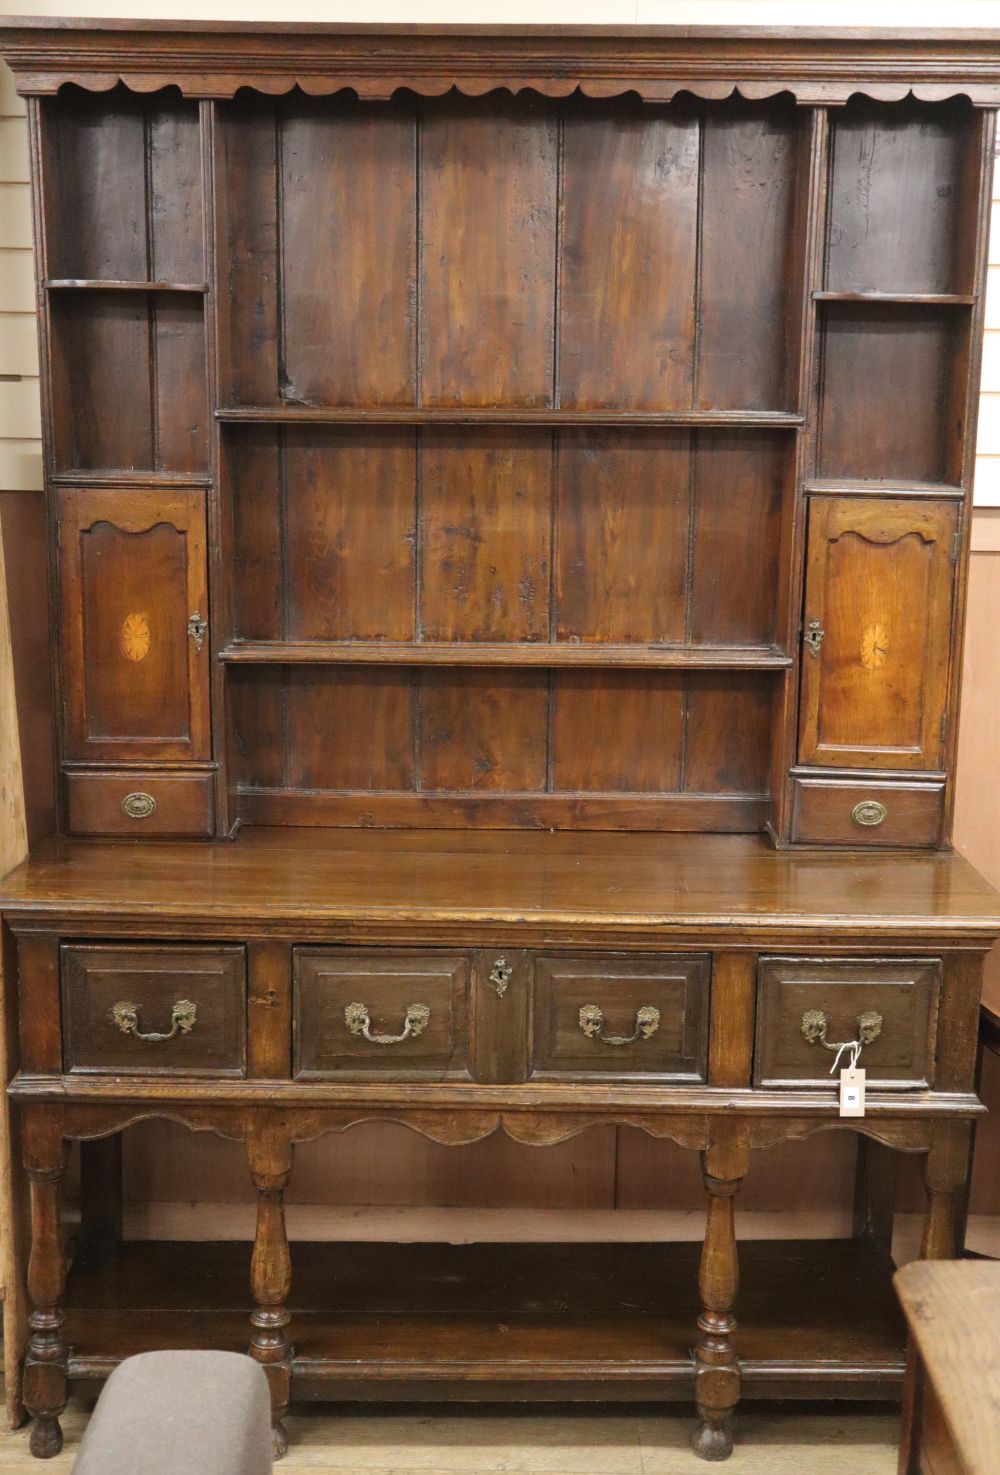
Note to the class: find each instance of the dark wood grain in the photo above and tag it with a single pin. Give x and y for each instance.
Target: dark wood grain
(912, 433)
(348, 522)
(487, 254)
(622, 525)
(152, 342)
(479, 730)
(747, 283)
(890, 166)
(352, 285)
(628, 259)
(484, 531)
(599, 731)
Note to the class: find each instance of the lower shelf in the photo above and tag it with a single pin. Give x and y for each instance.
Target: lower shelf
(818, 1318)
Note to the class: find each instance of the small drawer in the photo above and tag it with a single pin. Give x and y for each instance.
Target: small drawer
(806, 1007)
(400, 1016)
(140, 803)
(608, 1017)
(154, 1010)
(837, 812)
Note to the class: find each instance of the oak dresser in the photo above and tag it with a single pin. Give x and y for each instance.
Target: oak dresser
(508, 496)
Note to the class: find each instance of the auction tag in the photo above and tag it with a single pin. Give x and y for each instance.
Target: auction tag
(852, 1092)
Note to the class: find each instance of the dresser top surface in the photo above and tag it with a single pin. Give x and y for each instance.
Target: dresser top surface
(727, 883)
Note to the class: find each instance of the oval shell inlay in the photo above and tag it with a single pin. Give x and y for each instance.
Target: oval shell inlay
(135, 637)
(874, 647)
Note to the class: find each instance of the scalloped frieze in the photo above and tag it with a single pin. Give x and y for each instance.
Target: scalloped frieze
(215, 61)
(806, 92)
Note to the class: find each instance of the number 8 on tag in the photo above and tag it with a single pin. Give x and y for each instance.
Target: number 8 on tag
(852, 1092)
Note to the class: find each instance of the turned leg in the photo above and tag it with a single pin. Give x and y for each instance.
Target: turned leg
(271, 1272)
(717, 1372)
(946, 1169)
(45, 1359)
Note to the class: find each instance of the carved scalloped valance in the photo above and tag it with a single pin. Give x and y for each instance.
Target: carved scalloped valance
(215, 60)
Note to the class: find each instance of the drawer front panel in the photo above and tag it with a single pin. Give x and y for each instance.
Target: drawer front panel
(140, 805)
(610, 1017)
(805, 1006)
(361, 1013)
(831, 812)
(154, 1010)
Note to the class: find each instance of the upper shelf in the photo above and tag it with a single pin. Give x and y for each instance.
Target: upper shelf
(444, 415)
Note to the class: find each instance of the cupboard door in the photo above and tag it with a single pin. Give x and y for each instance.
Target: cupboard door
(877, 632)
(134, 599)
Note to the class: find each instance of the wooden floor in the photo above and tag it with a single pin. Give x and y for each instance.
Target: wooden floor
(773, 1440)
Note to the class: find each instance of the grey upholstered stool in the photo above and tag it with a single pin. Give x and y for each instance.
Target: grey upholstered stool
(180, 1413)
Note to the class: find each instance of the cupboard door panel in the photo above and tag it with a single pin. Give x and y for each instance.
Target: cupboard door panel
(132, 574)
(879, 584)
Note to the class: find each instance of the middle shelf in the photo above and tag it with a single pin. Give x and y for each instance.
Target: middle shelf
(301, 414)
(502, 653)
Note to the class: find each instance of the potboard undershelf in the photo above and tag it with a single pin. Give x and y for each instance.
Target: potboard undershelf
(391, 1321)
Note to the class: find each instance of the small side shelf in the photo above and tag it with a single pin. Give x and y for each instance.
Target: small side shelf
(501, 653)
(859, 487)
(113, 477)
(90, 284)
(931, 299)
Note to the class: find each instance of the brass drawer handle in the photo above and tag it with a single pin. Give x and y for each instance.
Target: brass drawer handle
(183, 1017)
(647, 1022)
(869, 812)
(138, 805)
(358, 1021)
(814, 1023)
